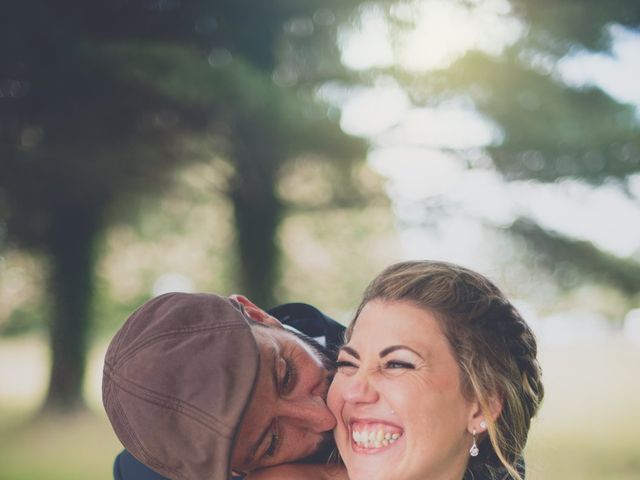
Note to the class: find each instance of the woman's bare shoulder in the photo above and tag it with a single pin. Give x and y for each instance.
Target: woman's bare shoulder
(300, 472)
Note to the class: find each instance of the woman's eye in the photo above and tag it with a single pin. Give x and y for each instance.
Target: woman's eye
(395, 364)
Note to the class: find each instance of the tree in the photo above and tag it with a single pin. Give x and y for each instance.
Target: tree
(96, 97)
(550, 131)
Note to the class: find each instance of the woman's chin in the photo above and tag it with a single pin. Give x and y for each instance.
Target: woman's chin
(373, 463)
(373, 470)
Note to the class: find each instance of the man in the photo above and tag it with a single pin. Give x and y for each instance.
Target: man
(197, 379)
(199, 386)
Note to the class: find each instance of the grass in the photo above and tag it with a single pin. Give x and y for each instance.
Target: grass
(588, 428)
(78, 448)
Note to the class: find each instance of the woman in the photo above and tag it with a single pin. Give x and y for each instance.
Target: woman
(438, 380)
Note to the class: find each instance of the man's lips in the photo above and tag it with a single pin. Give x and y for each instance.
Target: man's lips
(372, 436)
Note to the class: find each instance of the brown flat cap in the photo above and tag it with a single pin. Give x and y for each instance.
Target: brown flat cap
(178, 377)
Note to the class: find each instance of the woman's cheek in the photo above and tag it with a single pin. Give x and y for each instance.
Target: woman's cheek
(334, 396)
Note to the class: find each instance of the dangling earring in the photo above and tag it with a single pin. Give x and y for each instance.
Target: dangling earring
(483, 425)
(474, 451)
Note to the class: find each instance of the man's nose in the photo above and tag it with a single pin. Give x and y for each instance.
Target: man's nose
(310, 413)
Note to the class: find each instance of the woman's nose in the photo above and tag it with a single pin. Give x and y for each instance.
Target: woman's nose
(359, 390)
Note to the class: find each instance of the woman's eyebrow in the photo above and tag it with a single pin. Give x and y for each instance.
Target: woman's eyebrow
(350, 351)
(386, 351)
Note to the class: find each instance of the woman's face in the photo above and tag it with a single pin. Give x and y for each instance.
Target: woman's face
(397, 398)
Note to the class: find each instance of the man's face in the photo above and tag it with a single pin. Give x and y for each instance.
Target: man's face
(287, 417)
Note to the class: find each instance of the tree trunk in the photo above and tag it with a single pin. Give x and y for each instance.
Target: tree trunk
(71, 287)
(257, 214)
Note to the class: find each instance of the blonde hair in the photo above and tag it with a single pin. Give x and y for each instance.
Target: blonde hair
(494, 347)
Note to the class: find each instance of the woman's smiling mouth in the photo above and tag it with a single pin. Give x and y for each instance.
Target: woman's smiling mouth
(373, 437)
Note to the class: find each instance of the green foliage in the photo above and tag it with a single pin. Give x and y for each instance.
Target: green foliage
(104, 101)
(549, 130)
(22, 321)
(560, 26)
(580, 255)
(98, 107)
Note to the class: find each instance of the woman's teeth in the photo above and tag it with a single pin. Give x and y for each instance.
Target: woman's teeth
(374, 438)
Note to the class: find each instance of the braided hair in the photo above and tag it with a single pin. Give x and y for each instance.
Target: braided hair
(493, 345)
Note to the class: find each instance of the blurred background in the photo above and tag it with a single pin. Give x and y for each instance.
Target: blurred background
(289, 151)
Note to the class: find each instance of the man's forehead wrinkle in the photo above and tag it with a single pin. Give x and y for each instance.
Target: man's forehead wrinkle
(308, 349)
(275, 352)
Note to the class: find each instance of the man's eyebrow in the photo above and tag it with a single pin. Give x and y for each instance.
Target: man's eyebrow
(350, 351)
(386, 351)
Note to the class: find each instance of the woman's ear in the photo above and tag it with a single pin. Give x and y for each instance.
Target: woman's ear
(256, 313)
(478, 416)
